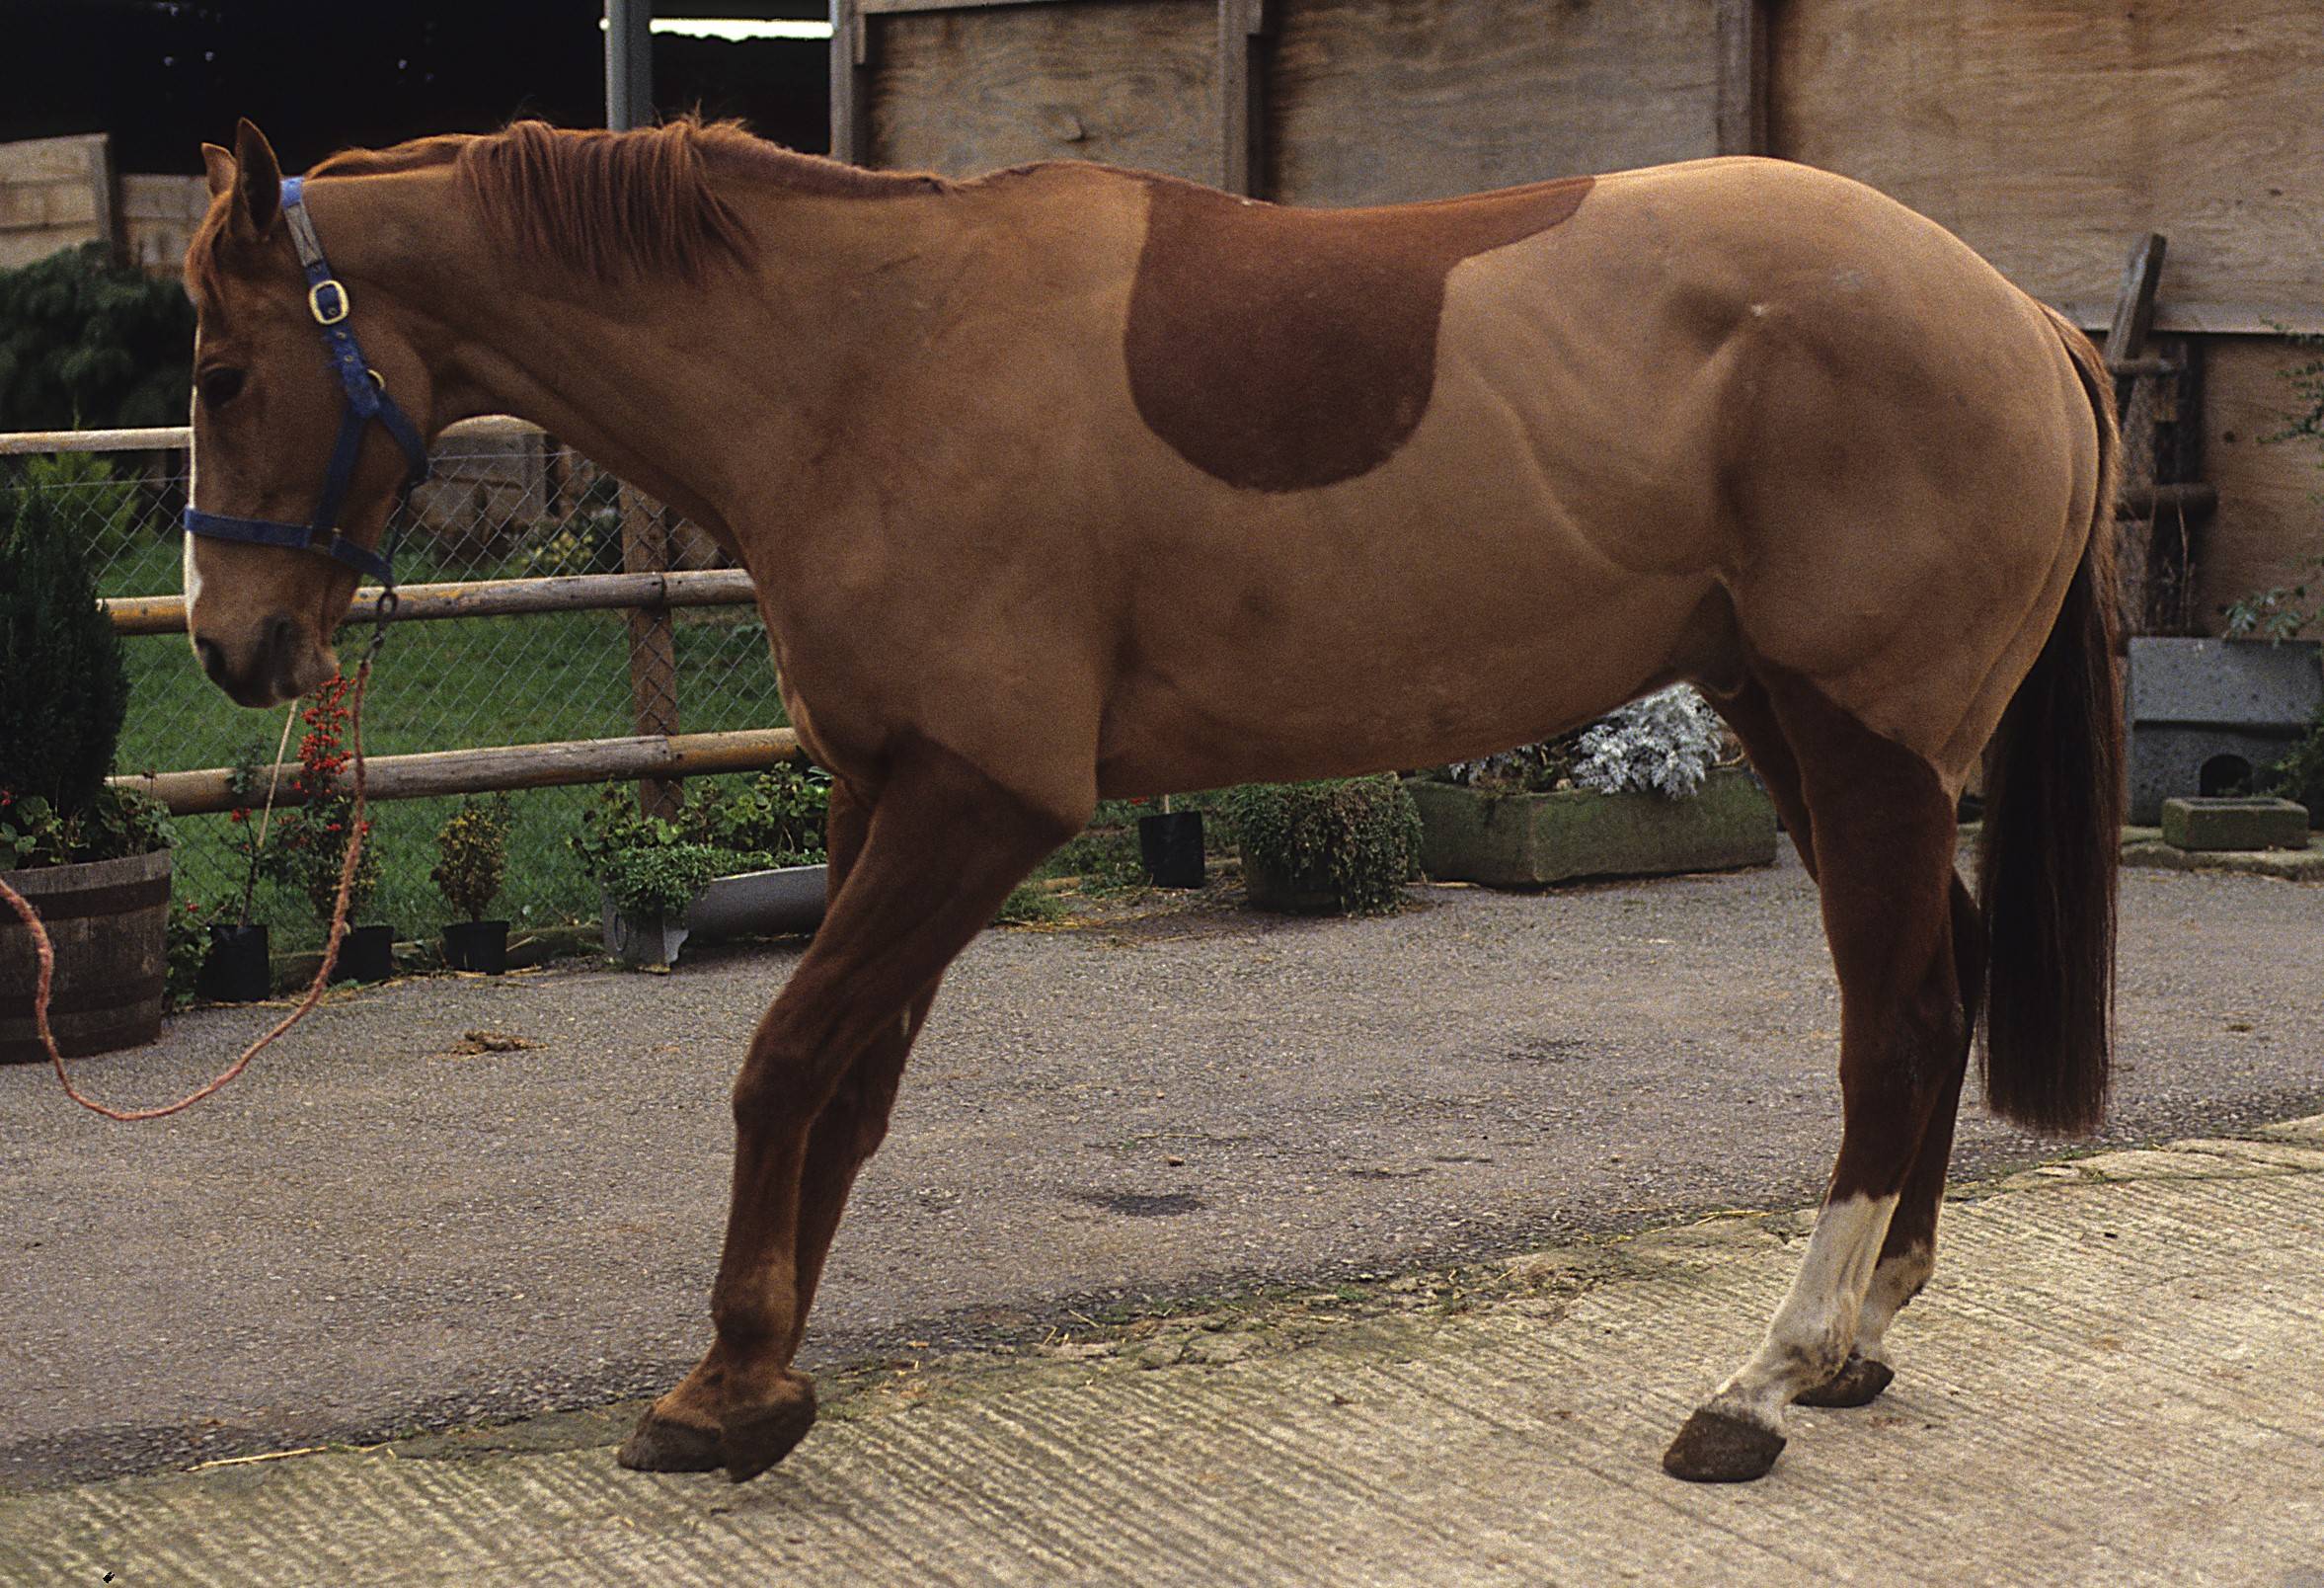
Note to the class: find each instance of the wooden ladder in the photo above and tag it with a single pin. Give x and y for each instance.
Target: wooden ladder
(2163, 503)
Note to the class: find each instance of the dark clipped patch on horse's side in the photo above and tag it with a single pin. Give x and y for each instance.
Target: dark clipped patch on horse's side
(1282, 349)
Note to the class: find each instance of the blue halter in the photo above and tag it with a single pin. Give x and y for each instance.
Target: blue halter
(366, 400)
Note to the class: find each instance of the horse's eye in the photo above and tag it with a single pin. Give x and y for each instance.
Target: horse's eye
(219, 386)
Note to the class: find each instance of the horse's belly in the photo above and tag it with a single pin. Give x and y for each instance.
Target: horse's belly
(1396, 651)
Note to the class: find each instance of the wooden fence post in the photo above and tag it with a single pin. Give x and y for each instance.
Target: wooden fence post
(654, 657)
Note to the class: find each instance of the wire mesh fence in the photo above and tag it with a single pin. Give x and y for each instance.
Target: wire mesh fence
(496, 509)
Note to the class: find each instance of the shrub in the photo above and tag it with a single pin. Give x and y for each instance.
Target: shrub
(1664, 744)
(63, 690)
(188, 944)
(64, 693)
(87, 342)
(471, 855)
(644, 883)
(307, 848)
(2300, 774)
(780, 812)
(1357, 837)
(776, 820)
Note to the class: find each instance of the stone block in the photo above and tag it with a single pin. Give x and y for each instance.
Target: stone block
(1529, 839)
(2234, 823)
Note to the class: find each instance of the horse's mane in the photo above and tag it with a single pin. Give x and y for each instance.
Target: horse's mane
(613, 206)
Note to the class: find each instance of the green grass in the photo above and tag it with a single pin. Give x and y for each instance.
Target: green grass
(438, 686)
(484, 681)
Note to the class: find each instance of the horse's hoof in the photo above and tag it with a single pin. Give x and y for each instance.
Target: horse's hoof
(1718, 1447)
(1858, 1383)
(754, 1437)
(661, 1445)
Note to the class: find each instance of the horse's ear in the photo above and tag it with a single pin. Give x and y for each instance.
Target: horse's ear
(257, 180)
(219, 166)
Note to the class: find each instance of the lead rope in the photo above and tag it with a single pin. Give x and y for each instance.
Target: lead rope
(47, 956)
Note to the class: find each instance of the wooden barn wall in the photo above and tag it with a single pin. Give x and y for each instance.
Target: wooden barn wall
(1378, 101)
(159, 214)
(56, 192)
(2269, 517)
(1127, 82)
(2047, 132)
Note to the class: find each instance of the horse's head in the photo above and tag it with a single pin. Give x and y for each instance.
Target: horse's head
(273, 392)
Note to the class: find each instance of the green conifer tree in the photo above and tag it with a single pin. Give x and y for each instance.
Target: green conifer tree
(63, 691)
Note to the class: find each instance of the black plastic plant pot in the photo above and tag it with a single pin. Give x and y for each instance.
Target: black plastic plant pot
(366, 954)
(477, 945)
(236, 968)
(1171, 845)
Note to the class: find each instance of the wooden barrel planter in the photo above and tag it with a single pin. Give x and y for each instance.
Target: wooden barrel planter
(109, 922)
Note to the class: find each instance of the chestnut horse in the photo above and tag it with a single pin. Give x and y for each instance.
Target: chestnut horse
(1071, 481)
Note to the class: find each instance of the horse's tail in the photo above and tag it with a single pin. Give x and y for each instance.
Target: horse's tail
(2052, 834)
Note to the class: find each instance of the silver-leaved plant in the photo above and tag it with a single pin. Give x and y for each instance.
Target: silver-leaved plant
(1664, 744)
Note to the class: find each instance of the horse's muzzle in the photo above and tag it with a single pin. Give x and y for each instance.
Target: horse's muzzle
(269, 674)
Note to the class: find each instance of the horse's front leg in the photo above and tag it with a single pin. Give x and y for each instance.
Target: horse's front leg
(942, 848)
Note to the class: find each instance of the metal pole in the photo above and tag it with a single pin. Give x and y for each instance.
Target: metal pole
(629, 63)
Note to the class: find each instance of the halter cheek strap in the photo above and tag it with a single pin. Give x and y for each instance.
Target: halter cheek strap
(367, 402)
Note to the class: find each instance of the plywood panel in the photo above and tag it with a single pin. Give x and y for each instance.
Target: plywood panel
(2271, 512)
(1376, 100)
(55, 193)
(159, 215)
(1129, 82)
(2046, 132)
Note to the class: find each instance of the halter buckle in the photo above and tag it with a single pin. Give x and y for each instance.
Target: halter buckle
(327, 310)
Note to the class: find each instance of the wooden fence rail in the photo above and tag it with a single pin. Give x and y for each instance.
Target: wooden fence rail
(178, 437)
(654, 757)
(490, 598)
(476, 771)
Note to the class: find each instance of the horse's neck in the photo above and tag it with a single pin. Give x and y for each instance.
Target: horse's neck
(685, 388)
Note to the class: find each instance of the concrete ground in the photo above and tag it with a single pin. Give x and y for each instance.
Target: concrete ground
(376, 1230)
(2112, 1380)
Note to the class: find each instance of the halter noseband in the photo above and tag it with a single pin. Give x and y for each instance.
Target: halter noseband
(366, 400)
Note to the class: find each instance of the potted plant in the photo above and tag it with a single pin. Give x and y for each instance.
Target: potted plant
(733, 862)
(92, 860)
(1640, 792)
(1341, 845)
(308, 847)
(647, 892)
(237, 967)
(472, 862)
(1170, 846)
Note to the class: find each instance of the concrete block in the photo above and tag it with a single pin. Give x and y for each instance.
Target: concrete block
(2234, 823)
(2225, 683)
(2207, 715)
(1528, 839)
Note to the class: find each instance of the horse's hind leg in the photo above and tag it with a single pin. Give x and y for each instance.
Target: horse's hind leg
(1908, 1255)
(1883, 837)
(942, 849)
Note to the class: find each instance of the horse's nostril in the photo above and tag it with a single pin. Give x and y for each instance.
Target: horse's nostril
(212, 658)
(278, 632)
